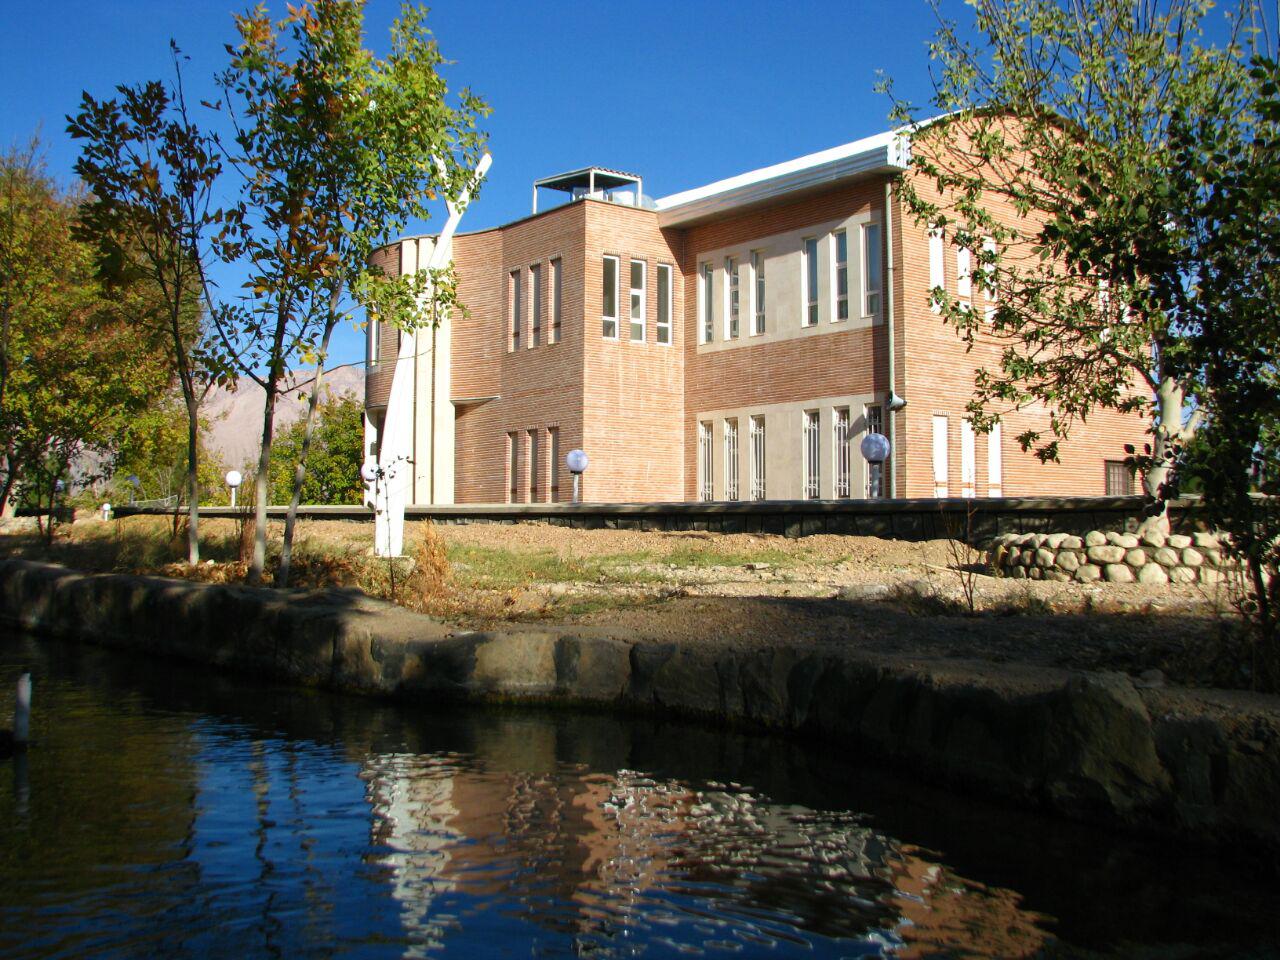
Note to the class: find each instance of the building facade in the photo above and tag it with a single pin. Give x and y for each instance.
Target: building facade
(733, 342)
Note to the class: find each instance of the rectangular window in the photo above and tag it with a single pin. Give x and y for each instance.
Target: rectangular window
(995, 463)
(840, 447)
(706, 462)
(964, 273)
(812, 452)
(556, 271)
(553, 464)
(842, 274)
(989, 277)
(535, 304)
(513, 297)
(375, 340)
(609, 298)
(731, 298)
(939, 456)
(664, 304)
(731, 459)
(968, 470)
(513, 467)
(871, 259)
(937, 267)
(757, 274)
(874, 416)
(706, 301)
(637, 300)
(810, 271)
(757, 458)
(533, 466)
(1119, 479)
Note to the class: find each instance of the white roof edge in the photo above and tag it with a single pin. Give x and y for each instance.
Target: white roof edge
(881, 151)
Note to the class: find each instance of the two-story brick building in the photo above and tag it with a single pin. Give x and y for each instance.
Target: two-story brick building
(732, 342)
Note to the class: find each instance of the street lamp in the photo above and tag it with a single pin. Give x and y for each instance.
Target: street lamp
(875, 450)
(233, 481)
(576, 461)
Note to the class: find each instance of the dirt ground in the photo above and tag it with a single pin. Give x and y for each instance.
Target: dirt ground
(926, 599)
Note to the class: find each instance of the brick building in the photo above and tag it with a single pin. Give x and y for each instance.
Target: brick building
(735, 341)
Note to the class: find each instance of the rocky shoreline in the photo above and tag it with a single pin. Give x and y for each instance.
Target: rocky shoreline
(1199, 765)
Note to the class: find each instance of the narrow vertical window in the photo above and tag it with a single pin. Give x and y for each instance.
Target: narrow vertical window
(375, 339)
(731, 298)
(840, 448)
(553, 464)
(706, 301)
(706, 462)
(842, 274)
(995, 464)
(535, 305)
(556, 271)
(812, 453)
(513, 297)
(939, 456)
(533, 465)
(871, 258)
(637, 300)
(964, 273)
(609, 299)
(731, 459)
(937, 267)
(757, 274)
(874, 416)
(989, 277)
(513, 467)
(968, 469)
(757, 458)
(664, 304)
(810, 267)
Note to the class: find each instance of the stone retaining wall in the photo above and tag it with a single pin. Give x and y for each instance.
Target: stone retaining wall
(1150, 557)
(1204, 766)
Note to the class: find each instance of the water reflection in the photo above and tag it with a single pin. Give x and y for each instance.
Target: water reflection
(169, 813)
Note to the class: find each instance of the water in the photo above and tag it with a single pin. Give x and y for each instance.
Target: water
(166, 812)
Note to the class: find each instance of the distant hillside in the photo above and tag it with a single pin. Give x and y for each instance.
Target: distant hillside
(235, 416)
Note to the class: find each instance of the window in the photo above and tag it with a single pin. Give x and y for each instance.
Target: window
(556, 271)
(937, 267)
(706, 301)
(842, 274)
(871, 257)
(988, 268)
(995, 487)
(731, 459)
(535, 303)
(874, 416)
(810, 268)
(375, 340)
(840, 446)
(757, 458)
(513, 467)
(664, 304)
(533, 465)
(964, 274)
(553, 463)
(731, 298)
(757, 273)
(1119, 479)
(939, 456)
(637, 300)
(812, 451)
(706, 462)
(609, 298)
(968, 478)
(513, 298)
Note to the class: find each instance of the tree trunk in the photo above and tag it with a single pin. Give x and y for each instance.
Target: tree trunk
(1168, 433)
(193, 484)
(262, 486)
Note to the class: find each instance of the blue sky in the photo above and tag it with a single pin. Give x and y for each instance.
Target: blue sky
(680, 93)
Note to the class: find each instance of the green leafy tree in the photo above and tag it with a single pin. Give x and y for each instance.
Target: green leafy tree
(1062, 112)
(340, 149)
(333, 451)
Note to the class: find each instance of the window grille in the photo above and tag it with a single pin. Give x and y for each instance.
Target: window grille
(731, 459)
(757, 458)
(812, 452)
(840, 446)
(874, 415)
(707, 458)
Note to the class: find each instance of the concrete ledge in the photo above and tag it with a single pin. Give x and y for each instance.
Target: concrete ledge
(1199, 765)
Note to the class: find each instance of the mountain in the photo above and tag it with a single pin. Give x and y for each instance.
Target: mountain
(235, 416)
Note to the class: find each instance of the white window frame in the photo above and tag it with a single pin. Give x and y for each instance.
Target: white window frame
(375, 340)
(732, 299)
(758, 457)
(809, 281)
(557, 281)
(811, 441)
(841, 427)
(730, 443)
(968, 465)
(871, 296)
(989, 291)
(940, 463)
(663, 328)
(937, 266)
(706, 461)
(995, 463)
(706, 299)
(964, 274)
(840, 275)
(636, 300)
(758, 316)
(606, 319)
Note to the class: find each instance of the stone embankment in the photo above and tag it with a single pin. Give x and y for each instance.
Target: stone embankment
(1202, 765)
(1150, 557)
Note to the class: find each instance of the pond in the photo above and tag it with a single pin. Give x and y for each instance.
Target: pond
(164, 811)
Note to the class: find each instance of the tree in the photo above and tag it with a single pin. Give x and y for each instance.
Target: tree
(339, 150)
(1063, 113)
(333, 449)
(152, 175)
